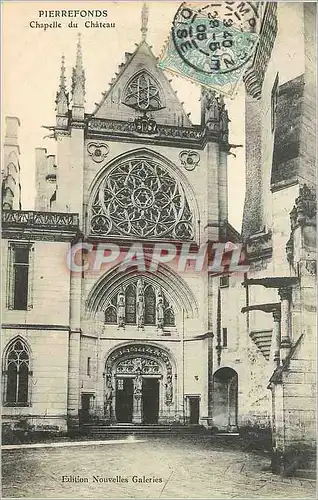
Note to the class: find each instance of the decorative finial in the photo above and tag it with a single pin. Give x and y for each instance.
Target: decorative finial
(144, 21)
(62, 75)
(79, 56)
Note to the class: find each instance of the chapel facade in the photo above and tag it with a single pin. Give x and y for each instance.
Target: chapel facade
(160, 346)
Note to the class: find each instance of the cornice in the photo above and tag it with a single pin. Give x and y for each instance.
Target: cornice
(34, 326)
(166, 135)
(195, 137)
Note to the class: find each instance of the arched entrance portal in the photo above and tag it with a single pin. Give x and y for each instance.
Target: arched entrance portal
(225, 390)
(139, 385)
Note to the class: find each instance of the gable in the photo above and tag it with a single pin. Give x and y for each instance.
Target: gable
(165, 108)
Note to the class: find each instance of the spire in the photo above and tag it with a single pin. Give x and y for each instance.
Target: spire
(78, 81)
(62, 95)
(144, 21)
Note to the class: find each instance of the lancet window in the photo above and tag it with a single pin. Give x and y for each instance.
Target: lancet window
(140, 303)
(16, 374)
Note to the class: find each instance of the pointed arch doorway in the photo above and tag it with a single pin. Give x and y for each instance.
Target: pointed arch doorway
(139, 386)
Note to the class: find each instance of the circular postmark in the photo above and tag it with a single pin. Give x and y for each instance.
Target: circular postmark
(214, 41)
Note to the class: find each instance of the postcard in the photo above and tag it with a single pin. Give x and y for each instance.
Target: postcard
(158, 249)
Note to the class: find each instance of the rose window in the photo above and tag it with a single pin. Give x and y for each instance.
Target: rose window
(140, 198)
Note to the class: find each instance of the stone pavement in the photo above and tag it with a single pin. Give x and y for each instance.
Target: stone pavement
(176, 467)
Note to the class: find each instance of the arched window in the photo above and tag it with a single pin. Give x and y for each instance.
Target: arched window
(169, 319)
(111, 315)
(150, 306)
(111, 312)
(130, 296)
(17, 371)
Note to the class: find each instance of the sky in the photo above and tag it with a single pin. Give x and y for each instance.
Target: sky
(31, 59)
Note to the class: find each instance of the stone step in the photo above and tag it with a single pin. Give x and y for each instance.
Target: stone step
(95, 429)
(263, 342)
(306, 474)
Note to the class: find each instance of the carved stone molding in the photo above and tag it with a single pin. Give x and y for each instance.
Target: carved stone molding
(77, 124)
(44, 219)
(311, 267)
(60, 133)
(145, 125)
(62, 121)
(196, 136)
(259, 246)
(304, 210)
(44, 226)
(138, 350)
(144, 366)
(195, 132)
(97, 151)
(302, 214)
(189, 159)
(254, 76)
(214, 112)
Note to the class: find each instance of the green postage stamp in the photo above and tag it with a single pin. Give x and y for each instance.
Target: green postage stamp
(212, 45)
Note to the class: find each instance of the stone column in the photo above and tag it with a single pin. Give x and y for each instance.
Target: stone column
(276, 338)
(285, 296)
(73, 397)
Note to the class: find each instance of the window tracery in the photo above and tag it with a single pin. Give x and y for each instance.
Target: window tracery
(140, 198)
(17, 371)
(142, 93)
(130, 309)
(142, 304)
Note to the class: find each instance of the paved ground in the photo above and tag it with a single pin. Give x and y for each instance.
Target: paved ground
(153, 468)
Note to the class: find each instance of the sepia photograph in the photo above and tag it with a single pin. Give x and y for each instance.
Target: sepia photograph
(158, 255)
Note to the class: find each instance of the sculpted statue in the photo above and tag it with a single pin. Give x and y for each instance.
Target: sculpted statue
(160, 313)
(138, 384)
(109, 389)
(224, 121)
(121, 310)
(140, 287)
(108, 397)
(140, 311)
(169, 390)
